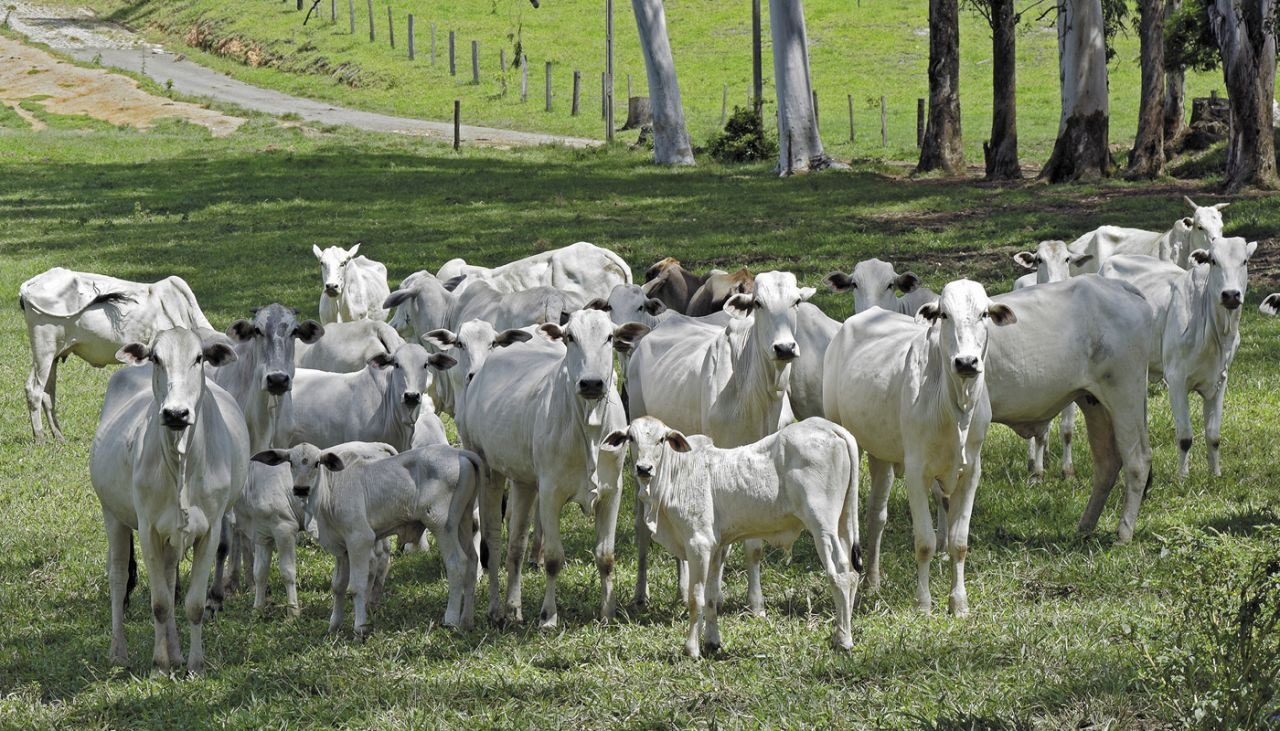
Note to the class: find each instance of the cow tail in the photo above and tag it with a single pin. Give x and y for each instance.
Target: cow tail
(623, 268)
(479, 485)
(849, 514)
(107, 298)
(132, 583)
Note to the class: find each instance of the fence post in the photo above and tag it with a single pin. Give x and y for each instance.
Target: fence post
(475, 62)
(502, 60)
(577, 79)
(629, 88)
(604, 96)
(524, 78)
(457, 123)
(391, 28)
(410, 36)
(724, 104)
(851, 136)
(333, 11)
(884, 124)
(371, 21)
(453, 63)
(351, 13)
(433, 44)
(548, 86)
(817, 121)
(919, 122)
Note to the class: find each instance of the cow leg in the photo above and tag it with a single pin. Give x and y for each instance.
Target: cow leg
(287, 546)
(958, 541)
(548, 507)
(925, 539)
(711, 635)
(834, 555)
(699, 558)
(119, 548)
(51, 401)
(161, 594)
(172, 557)
(341, 576)
(44, 351)
(642, 555)
(754, 551)
(469, 540)
(360, 556)
(1125, 413)
(202, 557)
(490, 535)
(1037, 446)
(1067, 430)
(455, 568)
(261, 570)
(535, 546)
(379, 567)
(524, 500)
(940, 505)
(214, 600)
(1106, 462)
(1213, 426)
(877, 516)
(682, 580)
(1180, 403)
(606, 510)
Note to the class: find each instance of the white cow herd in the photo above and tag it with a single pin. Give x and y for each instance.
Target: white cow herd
(743, 424)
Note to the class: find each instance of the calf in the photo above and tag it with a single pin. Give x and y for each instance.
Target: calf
(1195, 331)
(167, 462)
(699, 499)
(357, 506)
(874, 282)
(347, 346)
(354, 286)
(915, 396)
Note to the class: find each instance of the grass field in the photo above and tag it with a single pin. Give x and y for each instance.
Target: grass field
(1065, 632)
(868, 49)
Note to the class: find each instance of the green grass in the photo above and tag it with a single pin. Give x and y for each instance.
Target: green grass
(1052, 640)
(868, 49)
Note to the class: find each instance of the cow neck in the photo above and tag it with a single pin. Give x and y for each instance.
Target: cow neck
(587, 417)
(1219, 327)
(263, 411)
(760, 384)
(959, 396)
(177, 457)
(384, 421)
(662, 485)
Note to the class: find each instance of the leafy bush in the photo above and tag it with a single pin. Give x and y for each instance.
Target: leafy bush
(743, 139)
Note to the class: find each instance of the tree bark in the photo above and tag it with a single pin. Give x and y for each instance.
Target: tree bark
(1146, 160)
(671, 144)
(1001, 151)
(1080, 151)
(799, 144)
(1247, 41)
(943, 147)
(1175, 100)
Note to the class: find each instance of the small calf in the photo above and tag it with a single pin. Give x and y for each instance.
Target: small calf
(698, 499)
(357, 506)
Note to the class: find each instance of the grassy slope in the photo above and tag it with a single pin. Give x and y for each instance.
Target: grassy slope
(873, 48)
(1048, 640)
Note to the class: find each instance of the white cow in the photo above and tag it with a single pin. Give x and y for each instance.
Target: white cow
(915, 396)
(348, 346)
(581, 269)
(358, 506)
(385, 402)
(699, 499)
(874, 283)
(1195, 332)
(1175, 245)
(537, 413)
(354, 286)
(473, 343)
(93, 316)
(167, 462)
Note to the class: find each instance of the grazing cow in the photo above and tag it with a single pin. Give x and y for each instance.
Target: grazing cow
(916, 396)
(582, 269)
(1051, 262)
(354, 286)
(167, 462)
(537, 413)
(874, 282)
(1175, 245)
(358, 506)
(273, 511)
(382, 403)
(1195, 330)
(730, 383)
(720, 286)
(698, 499)
(348, 346)
(93, 316)
(1270, 305)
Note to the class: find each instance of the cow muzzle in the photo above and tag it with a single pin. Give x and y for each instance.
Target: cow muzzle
(1232, 299)
(591, 388)
(412, 399)
(967, 366)
(176, 418)
(644, 470)
(302, 490)
(278, 383)
(785, 351)
(331, 290)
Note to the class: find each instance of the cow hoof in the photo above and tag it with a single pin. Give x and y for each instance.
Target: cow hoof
(1069, 473)
(713, 648)
(692, 651)
(292, 612)
(196, 669)
(547, 624)
(841, 642)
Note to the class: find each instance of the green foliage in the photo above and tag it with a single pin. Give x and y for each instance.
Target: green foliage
(1188, 38)
(1115, 22)
(744, 139)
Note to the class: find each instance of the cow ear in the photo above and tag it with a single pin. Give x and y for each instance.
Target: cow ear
(553, 331)
(309, 331)
(1220, 206)
(218, 354)
(507, 337)
(907, 282)
(1187, 222)
(1248, 250)
(241, 330)
(316, 250)
(654, 306)
(616, 438)
(677, 441)
(658, 267)
(134, 354)
(1001, 314)
(382, 360)
(1201, 256)
(351, 253)
(839, 282)
(332, 462)
(1190, 202)
(598, 304)
(441, 362)
(271, 457)
(740, 305)
(806, 293)
(1270, 305)
(442, 338)
(452, 284)
(1080, 260)
(625, 336)
(397, 298)
(1025, 259)
(653, 285)
(929, 312)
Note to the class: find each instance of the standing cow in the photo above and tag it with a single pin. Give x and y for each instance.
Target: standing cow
(354, 286)
(1174, 246)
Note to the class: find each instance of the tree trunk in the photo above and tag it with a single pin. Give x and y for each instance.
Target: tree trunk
(943, 148)
(1080, 151)
(1175, 100)
(799, 144)
(1001, 151)
(670, 135)
(1247, 41)
(1146, 160)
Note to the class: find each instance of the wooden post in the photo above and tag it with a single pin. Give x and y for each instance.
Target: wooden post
(433, 44)
(333, 11)
(817, 121)
(724, 104)
(884, 124)
(299, 4)
(453, 60)
(548, 86)
(524, 78)
(351, 13)
(603, 94)
(371, 21)
(608, 71)
(851, 135)
(629, 94)
(502, 60)
(919, 122)
(757, 75)
(391, 28)
(577, 80)
(1213, 95)
(457, 123)
(475, 62)
(410, 36)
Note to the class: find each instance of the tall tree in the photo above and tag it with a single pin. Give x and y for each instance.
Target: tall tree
(799, 144)
(1245, 30)
(1000, 152)
(670, 135)
(1175, 100)
(1080, 151)
(943, 147)
(1146, 160)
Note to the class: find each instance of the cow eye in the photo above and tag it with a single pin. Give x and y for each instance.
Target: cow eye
(155, 359)
(199, 359)
(943, 316)
(984, 315)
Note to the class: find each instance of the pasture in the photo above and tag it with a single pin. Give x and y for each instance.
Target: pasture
(1064, 632)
